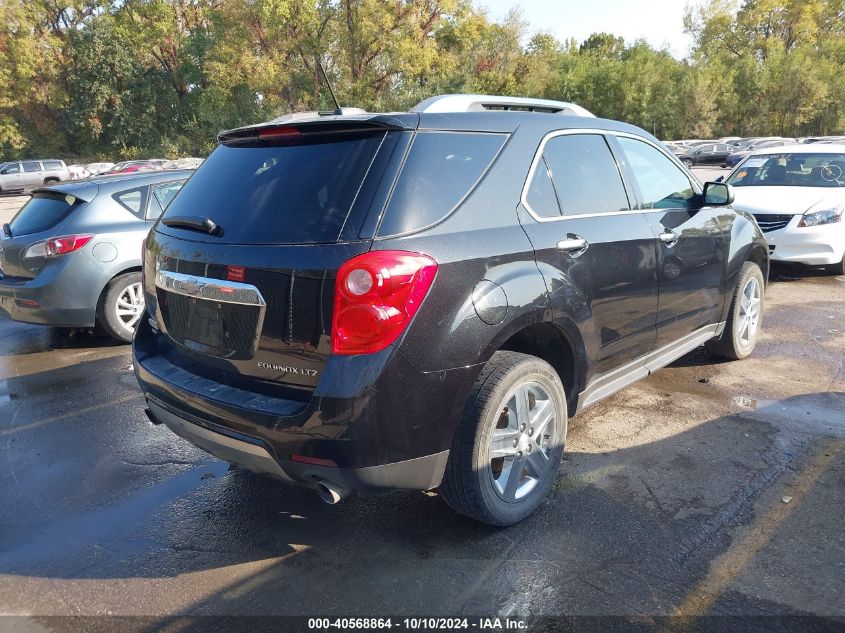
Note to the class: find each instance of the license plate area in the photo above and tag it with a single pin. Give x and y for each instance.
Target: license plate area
(223, 330)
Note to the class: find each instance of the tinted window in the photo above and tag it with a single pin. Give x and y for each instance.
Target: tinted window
(441, 169)
(132, 200)
(585, 174)
(541, 195)
(162, 195)
(31, 166)
(662, 183)
(52, 164)
(12, 169)
(298, 190)
(43, 211)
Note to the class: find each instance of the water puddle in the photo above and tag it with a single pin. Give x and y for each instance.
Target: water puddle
(5, 394)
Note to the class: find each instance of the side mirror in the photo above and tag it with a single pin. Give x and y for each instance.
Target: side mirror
(718, 194)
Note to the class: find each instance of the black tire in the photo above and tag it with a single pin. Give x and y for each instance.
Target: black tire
(688, 163)
(732, 344)
(469, 483)
(108, 319)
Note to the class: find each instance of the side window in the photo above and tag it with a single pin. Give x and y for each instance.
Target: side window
(14, 168)
(161, 197)
(541, 195)
(132, 200)
(441, 169)
(662, 183)
(31, 166)
(585, 174)
(52, 164)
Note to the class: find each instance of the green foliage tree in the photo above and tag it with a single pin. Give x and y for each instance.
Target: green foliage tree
(131, 78)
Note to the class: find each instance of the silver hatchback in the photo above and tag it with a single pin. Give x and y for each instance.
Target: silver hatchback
(71, 256)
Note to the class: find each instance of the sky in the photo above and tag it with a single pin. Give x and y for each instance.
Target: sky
(657, 21)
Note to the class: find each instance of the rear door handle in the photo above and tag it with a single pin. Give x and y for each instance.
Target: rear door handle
(670, 238)
(574, 244)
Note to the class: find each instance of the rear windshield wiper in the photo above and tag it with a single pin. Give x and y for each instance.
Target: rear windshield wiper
(194, 223)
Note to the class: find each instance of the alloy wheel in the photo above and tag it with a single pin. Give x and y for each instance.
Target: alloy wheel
(130, 305)
(520, 445)
(749, 313)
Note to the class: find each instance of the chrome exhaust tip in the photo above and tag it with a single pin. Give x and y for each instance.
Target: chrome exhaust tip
(331, 493)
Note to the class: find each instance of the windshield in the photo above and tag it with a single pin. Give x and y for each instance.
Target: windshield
(791, 170)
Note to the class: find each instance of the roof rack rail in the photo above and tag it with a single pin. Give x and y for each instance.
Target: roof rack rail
(480, 103)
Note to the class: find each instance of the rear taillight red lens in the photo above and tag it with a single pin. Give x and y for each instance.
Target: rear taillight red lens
(63, 245)
(376, 296)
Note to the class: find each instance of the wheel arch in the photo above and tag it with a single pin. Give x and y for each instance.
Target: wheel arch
(560, 346)
(105, 287)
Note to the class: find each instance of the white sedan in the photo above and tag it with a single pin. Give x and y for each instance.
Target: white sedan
(797, 195)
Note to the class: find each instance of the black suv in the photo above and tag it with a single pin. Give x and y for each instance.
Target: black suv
(372, 302)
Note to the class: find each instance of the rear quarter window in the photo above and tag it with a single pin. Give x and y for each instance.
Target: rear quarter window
(43, 211)
(441, 169)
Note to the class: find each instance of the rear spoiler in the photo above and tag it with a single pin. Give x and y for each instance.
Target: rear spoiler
(82, 191)
(321, 125)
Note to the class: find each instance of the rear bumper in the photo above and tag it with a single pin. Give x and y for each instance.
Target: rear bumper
(65, 293)
(421, 473)
(384, 423)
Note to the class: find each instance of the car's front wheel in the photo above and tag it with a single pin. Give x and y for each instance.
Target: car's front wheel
(688, 162)
(121, 306)
(745, 316)
(509, 443)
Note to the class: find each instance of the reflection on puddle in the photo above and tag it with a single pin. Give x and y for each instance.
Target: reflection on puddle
(5, 394)
(746, 402)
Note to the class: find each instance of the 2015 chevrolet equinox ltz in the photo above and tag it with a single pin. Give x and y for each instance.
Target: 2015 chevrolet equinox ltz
(374, 302)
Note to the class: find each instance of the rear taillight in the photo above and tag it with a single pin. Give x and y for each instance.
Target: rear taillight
(56, 246)
(376, 296)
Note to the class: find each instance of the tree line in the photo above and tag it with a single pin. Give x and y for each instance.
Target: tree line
(134, 78)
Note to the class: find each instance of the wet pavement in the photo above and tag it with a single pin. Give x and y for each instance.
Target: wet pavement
(709, 488)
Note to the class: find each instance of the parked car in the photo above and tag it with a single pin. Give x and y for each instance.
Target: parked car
(797, 195)
(27, 174)
(78, 172)
(71, 256)
(95, 169)
(132, 166)
(735, 157)
(423, 299)
(707, 154)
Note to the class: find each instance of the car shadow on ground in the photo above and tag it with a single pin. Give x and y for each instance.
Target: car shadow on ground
(630, 530)
(787, 272)
(19, 339)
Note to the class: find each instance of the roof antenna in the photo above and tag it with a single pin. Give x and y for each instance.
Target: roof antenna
(337, 110)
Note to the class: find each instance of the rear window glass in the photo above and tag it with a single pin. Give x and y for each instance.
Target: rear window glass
(52, 164)
(441, 169)
(296, 191)
(43, 211)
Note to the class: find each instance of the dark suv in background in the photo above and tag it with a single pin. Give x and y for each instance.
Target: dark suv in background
(374, 302)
